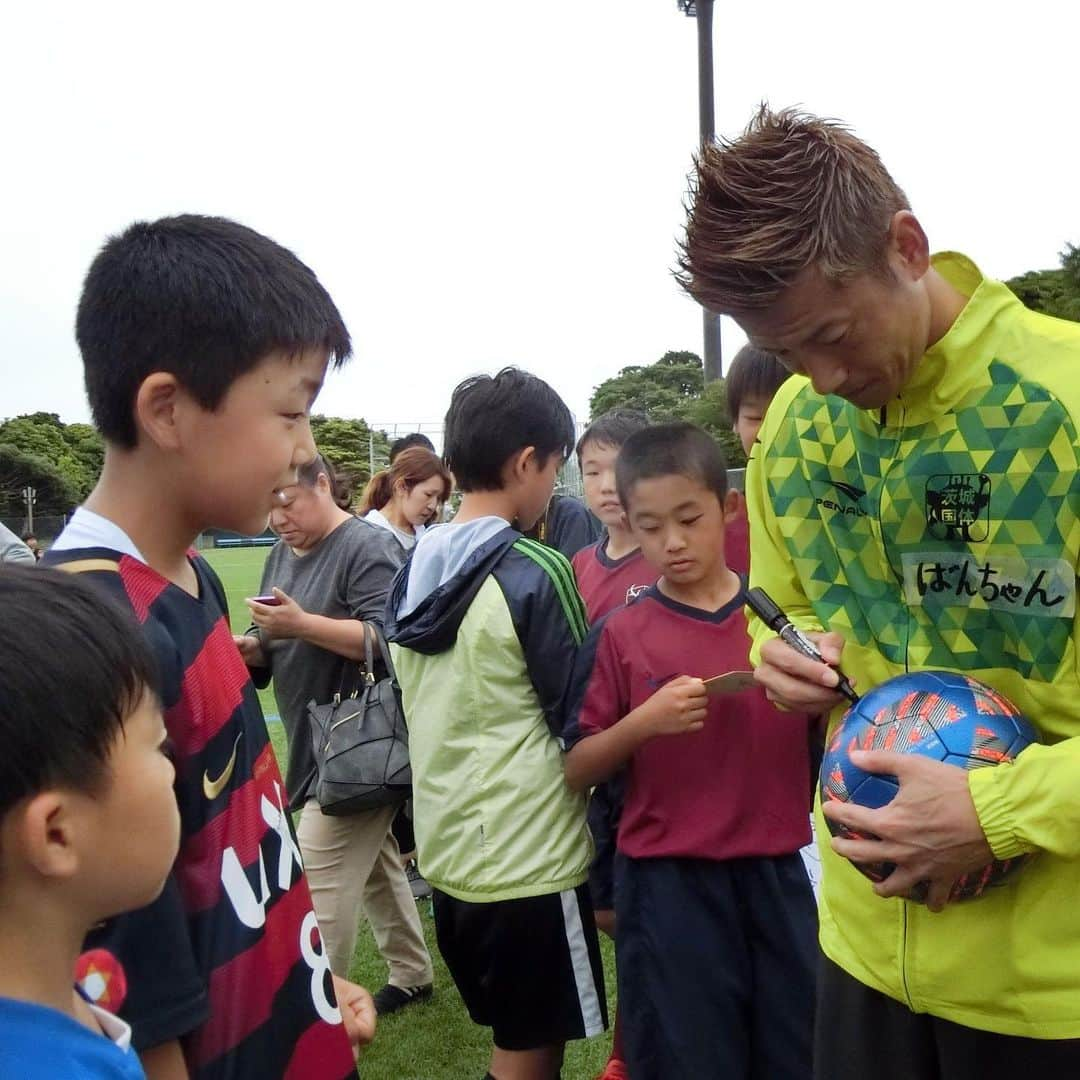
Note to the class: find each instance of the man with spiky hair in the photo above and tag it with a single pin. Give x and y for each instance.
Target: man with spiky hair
(913, 501)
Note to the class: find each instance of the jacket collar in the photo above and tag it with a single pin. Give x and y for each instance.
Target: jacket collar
(953, 366)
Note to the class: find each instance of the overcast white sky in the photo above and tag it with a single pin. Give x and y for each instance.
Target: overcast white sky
(481, 183)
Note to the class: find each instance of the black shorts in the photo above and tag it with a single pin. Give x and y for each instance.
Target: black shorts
(605, 809)
(528, 969)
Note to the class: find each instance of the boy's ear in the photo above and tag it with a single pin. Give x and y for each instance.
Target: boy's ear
(731, 504)
(157, 405)
(518, 467)
(45, 834)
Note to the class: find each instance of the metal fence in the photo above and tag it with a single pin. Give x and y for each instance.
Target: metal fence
(47, 527)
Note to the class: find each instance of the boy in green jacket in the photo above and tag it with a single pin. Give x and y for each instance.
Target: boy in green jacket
(486, 625)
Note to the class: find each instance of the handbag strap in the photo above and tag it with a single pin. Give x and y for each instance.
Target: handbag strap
(384, 652)
(366, 670)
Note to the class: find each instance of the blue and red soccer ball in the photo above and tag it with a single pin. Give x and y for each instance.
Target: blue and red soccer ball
(942, 715)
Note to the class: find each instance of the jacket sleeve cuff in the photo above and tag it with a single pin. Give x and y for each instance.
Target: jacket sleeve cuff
(990, 794)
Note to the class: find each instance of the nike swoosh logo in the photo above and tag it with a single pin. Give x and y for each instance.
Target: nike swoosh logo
(213, 788)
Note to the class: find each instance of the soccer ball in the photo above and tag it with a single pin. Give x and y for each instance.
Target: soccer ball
(942, 715)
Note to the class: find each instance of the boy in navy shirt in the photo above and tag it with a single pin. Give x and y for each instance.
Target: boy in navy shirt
(88, 821)
(717, 927)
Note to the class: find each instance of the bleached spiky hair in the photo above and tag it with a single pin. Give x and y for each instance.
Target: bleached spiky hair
(792, 191)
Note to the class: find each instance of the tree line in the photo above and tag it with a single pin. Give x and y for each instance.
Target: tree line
(62, 461)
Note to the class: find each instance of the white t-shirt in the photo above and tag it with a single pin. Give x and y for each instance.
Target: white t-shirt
(407, 540)
(89, 530)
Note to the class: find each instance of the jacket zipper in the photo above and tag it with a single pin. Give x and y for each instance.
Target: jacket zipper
(880, 530)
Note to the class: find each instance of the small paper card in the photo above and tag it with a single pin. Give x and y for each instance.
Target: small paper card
(731, 682)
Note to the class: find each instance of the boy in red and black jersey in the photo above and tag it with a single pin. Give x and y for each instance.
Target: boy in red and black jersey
(716, 942)
(204, 346)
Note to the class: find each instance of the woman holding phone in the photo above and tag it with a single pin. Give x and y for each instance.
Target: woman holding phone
(327, 579)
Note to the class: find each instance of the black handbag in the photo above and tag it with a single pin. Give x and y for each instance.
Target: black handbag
(360, 741)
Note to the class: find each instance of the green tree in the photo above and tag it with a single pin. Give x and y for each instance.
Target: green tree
(672, 389)
(18, 469)
(348, 445)
(710, 412)
(76, 451)
(1055, 292)
(662, 389)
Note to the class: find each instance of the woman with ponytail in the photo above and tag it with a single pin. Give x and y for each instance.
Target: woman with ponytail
(406, 497)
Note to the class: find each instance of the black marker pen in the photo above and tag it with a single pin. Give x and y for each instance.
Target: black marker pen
(767, 611)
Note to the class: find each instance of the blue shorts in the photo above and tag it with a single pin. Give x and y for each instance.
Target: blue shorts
(717, 964)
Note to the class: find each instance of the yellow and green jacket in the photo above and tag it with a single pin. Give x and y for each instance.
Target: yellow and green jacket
(943, 531)
(485, 625)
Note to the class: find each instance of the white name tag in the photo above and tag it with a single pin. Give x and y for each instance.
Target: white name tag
(1042, 587)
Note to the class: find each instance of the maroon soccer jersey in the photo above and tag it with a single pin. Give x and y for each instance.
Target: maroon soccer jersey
(606, 584)
(735, 789)
(245, 924)
(737, 540)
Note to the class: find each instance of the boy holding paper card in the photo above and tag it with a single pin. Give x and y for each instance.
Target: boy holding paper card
(717, 925)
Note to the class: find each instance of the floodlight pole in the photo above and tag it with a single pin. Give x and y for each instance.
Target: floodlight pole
(29, 494)
(702, 11)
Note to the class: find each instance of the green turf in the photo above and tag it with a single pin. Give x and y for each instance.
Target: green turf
(435, 1040)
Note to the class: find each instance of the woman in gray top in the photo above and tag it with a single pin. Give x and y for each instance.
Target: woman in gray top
(330, 573)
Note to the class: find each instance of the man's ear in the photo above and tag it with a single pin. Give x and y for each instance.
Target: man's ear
(908, 247)
(46, 832)
(158, 404)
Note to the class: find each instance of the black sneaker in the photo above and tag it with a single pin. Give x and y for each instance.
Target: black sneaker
(420, 888)
(391, 998)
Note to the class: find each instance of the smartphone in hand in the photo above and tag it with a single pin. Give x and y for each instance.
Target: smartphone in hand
(269, 601)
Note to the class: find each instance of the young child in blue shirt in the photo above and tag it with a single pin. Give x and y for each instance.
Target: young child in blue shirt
(89, 825)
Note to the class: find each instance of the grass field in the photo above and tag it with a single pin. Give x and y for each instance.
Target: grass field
(435, 1040)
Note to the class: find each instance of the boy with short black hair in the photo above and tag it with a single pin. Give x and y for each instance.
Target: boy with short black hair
(612, 571)
(204, 345)
(406, 442)
(88, 819)
(750, 384)
(717, 928)
(486, 624)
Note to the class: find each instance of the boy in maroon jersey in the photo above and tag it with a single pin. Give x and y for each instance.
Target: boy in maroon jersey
(611, 572)
(716, 946)
(204, 345)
